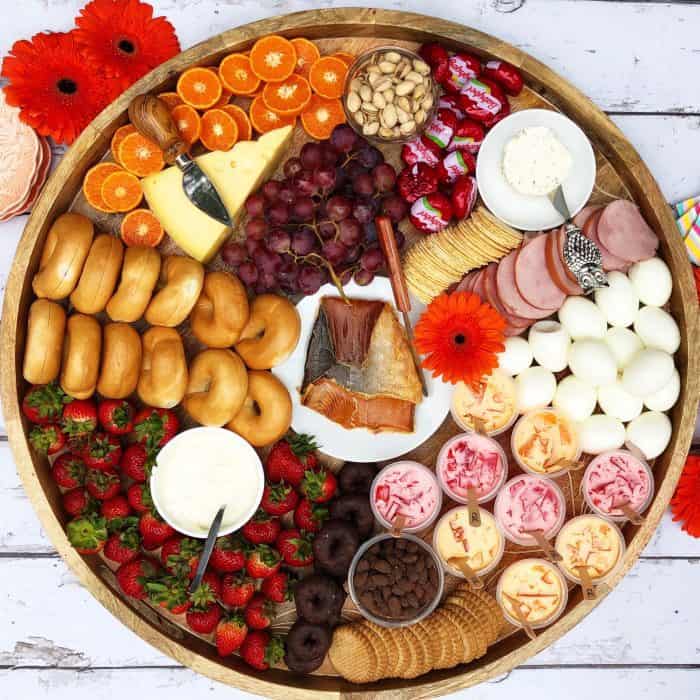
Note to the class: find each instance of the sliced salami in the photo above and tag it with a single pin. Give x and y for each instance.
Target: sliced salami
(508, 293)
(623, 231)
(585, 213)
(532, 278)
(610, 261)
(557, 268)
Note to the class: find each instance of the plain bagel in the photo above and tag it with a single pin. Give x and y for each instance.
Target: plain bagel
(139, 277)
(163, 377)
(217, 387)
(121, 361)
(100, 274)
(81, 356)
(266, 413)
(45, 331)
(181, 281)
(271, 334)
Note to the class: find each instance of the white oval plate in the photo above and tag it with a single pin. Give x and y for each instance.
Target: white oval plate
(530, 213)
(359, 444)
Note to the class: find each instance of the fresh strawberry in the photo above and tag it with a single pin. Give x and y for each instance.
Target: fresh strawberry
(261, 651)
(259, 612)
(279, 499)
(139, 497)
(134, 576)
(204, 621)
(78, 502)
(123, 546)
(276, 587)
(68, 471)
(263, 562)
(47, 439)
(180, 555)
(209, 591)
(262, 528)
(228, 555)
(155, 426)
(154, 530)
(116, 416)
(290, 458)
(102, 484)
(118, 514)
(45, 403)
(136, 462)
(319, 486)
(87, 534)
(79, 418)
(102, 451)
(295, 548)
(170, 592)
(309, 516)
(230, 634)
(236, 590)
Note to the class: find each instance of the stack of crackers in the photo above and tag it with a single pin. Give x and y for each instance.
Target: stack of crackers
(459, 631)
(442, 259)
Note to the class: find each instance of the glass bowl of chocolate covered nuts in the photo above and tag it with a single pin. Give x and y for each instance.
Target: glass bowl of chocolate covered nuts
(395, 580)
(390, 95)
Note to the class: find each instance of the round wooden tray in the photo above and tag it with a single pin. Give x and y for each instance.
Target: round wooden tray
(621, 172)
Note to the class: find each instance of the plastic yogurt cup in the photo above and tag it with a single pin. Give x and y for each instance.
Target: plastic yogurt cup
(615, 479)
(471, 461)
(482, 546)
(539, 587)
(406, 488)
(494, 403)
(529, 503)
(199, 471)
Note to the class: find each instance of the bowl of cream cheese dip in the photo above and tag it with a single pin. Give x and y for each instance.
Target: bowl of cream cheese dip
(199, 471)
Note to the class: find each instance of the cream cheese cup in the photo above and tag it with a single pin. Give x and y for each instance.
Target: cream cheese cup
(199, 471)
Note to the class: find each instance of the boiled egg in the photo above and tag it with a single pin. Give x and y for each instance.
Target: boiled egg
(652, 281)
(600, 433)
(650, 432)
(534, 388)
(516, 357)
(592, 362)
(618, 301)
(624, 345)
(574, 398)
(665, 397)
(550, 342)
(647, 372)
(615, 401)
(656, 328)
(582, 318)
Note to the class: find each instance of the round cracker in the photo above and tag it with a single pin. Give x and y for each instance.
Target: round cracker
(352, 654)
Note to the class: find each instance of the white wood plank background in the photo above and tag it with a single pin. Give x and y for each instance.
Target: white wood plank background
(637, 60)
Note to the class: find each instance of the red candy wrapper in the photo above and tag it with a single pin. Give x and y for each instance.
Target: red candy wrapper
(468, 136)
(461, 68)
(441, 128)
(431, 213)
(482, 99)
(463, 196)
(452, 103)
(492, 121)
(420, 150)
(436, 56)
(416, 181)
(454, 165)
(506, 75)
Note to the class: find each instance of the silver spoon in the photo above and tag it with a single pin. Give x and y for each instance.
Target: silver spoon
(208, 549)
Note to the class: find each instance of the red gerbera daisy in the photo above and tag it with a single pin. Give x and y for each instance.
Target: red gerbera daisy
(460, 337)
(685, 504)
(123, 39)
(57, 93)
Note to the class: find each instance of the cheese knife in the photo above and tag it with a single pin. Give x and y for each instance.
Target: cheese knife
(152, 119)
(207, 550)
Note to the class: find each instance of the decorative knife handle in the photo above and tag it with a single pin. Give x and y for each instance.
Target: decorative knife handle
(152, 119)
(387, 240)
(584, 259)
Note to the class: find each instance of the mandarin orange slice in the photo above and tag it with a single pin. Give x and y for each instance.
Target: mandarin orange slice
(172, 99)
(264, 119)
(92, 184)
(219, 130)
(224, 99)
(327, 77)
(347, 58)
(141, 228)
(273, 58)
(288, 97)
(140, 155)
(237, 76)
(199, 87)
(119, 135)
(188, 123)
(122, 191)
(245, 130)
(321, 116)
(307, 54)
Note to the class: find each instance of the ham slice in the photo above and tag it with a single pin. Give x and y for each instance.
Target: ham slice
(610, 261)
(532, 278)
(508, 293)
(624, 233)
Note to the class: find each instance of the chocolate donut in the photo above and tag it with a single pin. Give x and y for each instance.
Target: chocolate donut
(319, 599)
(297, 665)
(335, 546)
(357, 477)
(307, 642)
(355, 509)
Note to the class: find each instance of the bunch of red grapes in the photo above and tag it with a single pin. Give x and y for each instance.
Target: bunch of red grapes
(317, 224)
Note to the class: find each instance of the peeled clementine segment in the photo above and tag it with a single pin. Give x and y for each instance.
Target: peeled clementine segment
(327, 77)
(321, 116)
(92, 184)
(171, 99)
(273, 58)
(140, 155)
(237, 76)
(119, 135)
(264, 119)
(245, 130)
(199, 87)
(288, 97)
(347, 58)
(141, 228)
(188, 123)
(122, 191)
(307, 54)
(219, 130)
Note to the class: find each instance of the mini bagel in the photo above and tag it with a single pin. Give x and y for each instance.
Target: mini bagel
(81, 356)
(99, 276)
(271, 334)
(217, 387)
(163, 378)
(139, 277)
(266, 413)
(45, 330)
(221, 312)
(62, 259)
(121, 361)
(181, 281)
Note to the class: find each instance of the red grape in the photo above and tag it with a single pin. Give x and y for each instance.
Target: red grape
(303, 241)
(353, 254)
(369, 156)
(327, 229)
(334, 252)
(248, 273)
(266, 282)
(251, 245)
(338, 207)
(271, 190)
(303, 209)
(310, 279)
(311, 155)
(350, 231)
(292, 167)
(287, 194)
(278, 213)
(363, 277)
(255, 229)
(343, 138)
(363, 184)
(372, 259)
(353, 169)
(394, 207)
(384, 177)
(329, 155)
(288, 271)
(325, 178)
(233, 253)
(344, 276)
(279, 240)
(362, 211)
(304, 183)
(266, 261)
(255, 205)
(370, 231)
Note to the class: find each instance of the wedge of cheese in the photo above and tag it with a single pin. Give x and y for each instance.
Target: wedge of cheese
(235, 174)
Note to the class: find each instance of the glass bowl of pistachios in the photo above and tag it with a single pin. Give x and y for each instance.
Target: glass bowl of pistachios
(390, 95)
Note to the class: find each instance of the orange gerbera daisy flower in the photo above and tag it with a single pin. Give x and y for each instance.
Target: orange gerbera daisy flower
(685, 504)
(460, 337)
(57, 93)
(123, 39)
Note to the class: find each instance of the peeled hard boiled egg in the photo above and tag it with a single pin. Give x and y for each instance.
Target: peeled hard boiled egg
(582, 318)
(574, 398)
(550, 342)
(647, 372)
(652, 281)
(618, 301)
(516, 357)
(665, 397)
(651, 433)
(592, 362)
(618, 403)
(600, 433)
(656, 328)
(534, 388)
(624, 345)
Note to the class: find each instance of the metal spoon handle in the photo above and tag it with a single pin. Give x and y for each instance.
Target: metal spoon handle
(208, 549)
